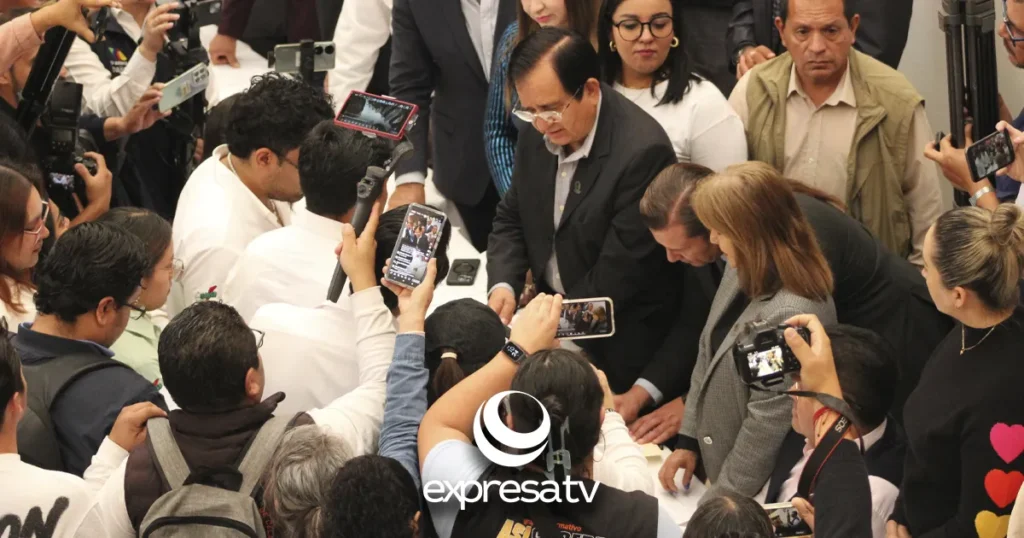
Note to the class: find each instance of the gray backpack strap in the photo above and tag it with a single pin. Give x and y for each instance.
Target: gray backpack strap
(261, 450)
(166, 453)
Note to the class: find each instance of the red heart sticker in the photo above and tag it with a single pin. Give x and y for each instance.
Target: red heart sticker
(1003, 487)
(1008, 441)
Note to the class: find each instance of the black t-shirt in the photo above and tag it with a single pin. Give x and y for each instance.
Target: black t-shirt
(965, 434)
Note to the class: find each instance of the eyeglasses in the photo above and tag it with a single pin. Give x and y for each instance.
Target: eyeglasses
(549, 116)
(631, 29)
(42, 220)
(1016, 36)
(259, 337)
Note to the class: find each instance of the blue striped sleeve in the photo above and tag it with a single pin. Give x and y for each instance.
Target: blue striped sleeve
(500, 134)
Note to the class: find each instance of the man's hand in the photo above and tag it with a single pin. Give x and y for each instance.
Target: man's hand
(68, 13)
(97, 187)
(154, 29)
(408, 193)
(129, 429)
(750, 57)
(537, 323)
(142, 115)
(629, 403)
(357, 256)
(659, 425)
(503, 302)
(817, 367)
(222, 50)
(1015, 170)
(895, 530)
(680, 459)
(953, 162)
(413, 303)
(806, 511)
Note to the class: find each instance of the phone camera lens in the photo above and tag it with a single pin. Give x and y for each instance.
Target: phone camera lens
(329, 50)
(319, 50)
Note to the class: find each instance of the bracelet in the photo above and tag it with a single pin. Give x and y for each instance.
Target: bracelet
(981, 192)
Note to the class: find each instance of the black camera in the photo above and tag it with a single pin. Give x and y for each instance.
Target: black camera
(66, 148)
(766, 358)
(193, 15)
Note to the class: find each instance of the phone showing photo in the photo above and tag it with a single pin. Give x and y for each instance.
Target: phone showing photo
(421, 231)
(786, 520)
(190, 84)
(989, 155)
(586, 318)
(383, 116)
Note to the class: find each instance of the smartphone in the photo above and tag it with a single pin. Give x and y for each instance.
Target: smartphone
(288, 58)
(421, 231)
(586, 318)
(190, 84)
(989, 155)
(787, 520)
(382, 116)
(463, 272)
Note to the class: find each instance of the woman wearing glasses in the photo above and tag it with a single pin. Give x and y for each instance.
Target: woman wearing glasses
(137, 347)
(501, 132)
(23, 215)
(643, 56)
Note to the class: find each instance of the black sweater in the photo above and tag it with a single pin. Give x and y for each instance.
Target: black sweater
(964, 434)
(842, 496)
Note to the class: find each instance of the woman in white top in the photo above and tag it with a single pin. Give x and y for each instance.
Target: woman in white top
(23, 215)
(643, 56)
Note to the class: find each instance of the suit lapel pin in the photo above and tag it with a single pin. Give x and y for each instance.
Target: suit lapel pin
(577, 187)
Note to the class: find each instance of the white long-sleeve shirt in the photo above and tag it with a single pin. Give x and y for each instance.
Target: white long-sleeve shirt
(355, 417)
(106, 93)
(363, 28)
(618, 461)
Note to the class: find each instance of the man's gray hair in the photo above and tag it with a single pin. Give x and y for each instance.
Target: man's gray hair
(298, 480)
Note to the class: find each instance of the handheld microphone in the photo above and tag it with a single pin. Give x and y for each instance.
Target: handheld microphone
(367, 193)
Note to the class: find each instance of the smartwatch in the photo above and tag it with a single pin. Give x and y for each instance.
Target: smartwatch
(514, 352)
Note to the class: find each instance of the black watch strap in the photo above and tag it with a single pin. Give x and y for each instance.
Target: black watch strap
(514, 352)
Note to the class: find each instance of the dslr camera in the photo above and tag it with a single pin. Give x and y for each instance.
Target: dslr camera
(764, 357)
(66, 147)
(194, 14)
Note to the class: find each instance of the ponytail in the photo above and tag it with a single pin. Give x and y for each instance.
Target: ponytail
(447, 374)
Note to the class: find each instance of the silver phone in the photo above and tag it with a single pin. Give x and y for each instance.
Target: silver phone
(287, 57)
(188, 85)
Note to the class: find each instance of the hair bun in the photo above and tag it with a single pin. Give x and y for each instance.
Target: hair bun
(1007, 226)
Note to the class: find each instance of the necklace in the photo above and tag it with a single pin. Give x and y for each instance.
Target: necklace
(269, 205)
(963, 338)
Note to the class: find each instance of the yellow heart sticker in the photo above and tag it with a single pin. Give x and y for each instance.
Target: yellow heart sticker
(990, 525)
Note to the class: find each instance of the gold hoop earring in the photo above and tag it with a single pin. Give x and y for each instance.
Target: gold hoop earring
(675, 42)
(611, 45)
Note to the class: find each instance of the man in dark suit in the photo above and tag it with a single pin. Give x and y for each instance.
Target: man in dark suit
(874, 289)
(753, 35)
(444, 48)
(571, 215)
(867, 372)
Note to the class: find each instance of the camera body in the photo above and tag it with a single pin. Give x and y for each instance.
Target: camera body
(764, 357)
(66, 147)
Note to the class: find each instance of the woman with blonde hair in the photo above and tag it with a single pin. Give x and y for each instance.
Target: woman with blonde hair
(963, 420)
(775, 271)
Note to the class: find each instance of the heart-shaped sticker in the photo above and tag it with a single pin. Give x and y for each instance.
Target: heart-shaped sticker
(1003, 487)
(990, 525)
(1008, 441)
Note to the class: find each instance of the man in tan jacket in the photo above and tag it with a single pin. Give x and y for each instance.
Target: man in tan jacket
(838, 120)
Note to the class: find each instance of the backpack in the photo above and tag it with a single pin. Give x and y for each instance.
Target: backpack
(37, 439)
(190, 509)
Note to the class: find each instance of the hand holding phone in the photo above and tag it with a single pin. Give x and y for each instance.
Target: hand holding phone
(416, 245)
(989, 155)
(181, 89)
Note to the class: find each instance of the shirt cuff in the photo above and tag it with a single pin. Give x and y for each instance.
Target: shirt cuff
(502, 285)
(367, 299)
(421, 334)
(110, 453)
(656, 394)
(411, 177)
(685, 442)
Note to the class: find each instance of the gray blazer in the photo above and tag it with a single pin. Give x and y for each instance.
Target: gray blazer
(740, 430)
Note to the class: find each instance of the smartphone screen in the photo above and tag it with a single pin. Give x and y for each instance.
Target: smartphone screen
(586, 318)
(787, 520)
(990, 154)
(184, 87)
(416, 244)
(380, 115)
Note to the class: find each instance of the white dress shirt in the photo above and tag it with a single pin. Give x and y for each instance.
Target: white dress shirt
(883, 492)
(217, 218)
(106, 94)
(293, 265)
(363, 28)
(313, 355)
(354, 417)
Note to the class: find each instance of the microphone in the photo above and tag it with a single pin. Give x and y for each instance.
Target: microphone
(367, 193)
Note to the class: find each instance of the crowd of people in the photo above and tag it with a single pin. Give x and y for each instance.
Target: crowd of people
(169, 365)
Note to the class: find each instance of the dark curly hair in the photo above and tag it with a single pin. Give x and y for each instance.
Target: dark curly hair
(11, 382)
(92, 261)
(371, 497)
(276, 112)
(205, 353)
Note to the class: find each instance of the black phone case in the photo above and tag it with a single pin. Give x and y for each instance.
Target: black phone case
(463, 272)
(971, 154)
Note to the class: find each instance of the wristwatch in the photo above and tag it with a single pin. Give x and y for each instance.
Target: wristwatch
(514, 352)
(981, 192)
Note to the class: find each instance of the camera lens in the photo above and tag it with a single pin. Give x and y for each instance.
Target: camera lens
(330, 49)
(319, 50)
